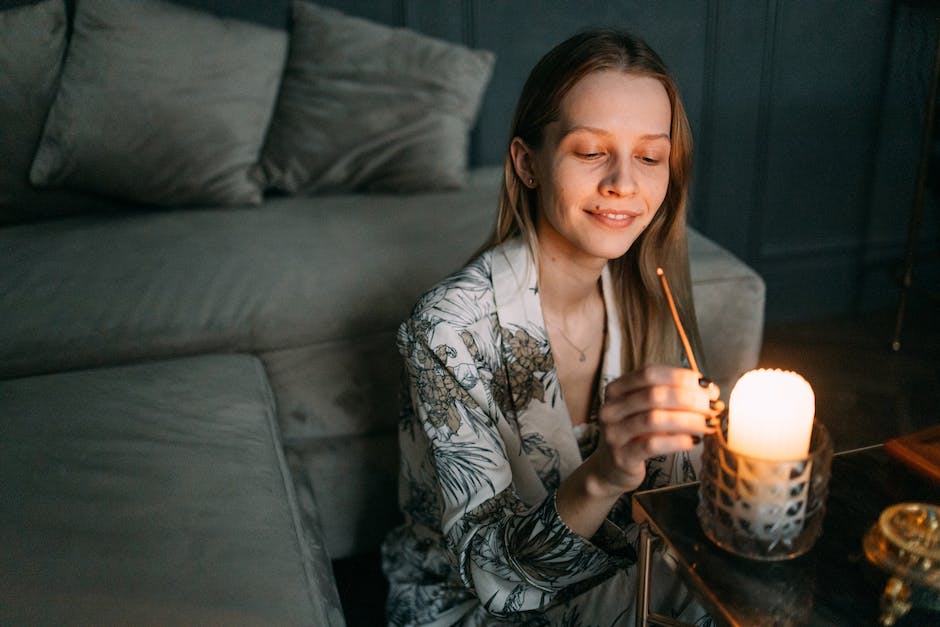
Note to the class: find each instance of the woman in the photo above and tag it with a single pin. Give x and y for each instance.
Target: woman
(545, 377)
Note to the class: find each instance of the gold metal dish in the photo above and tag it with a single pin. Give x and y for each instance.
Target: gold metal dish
(905, 543)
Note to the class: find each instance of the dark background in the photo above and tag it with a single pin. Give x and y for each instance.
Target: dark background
(807, 116)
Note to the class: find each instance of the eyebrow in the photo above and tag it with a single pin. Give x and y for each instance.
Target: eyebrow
(601, 131)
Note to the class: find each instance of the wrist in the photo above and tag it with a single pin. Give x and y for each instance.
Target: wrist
(597, 484)
(584, 499)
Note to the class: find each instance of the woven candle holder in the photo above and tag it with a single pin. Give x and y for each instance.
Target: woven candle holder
(764, 509)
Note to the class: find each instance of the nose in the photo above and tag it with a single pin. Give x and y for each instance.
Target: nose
(620, 179)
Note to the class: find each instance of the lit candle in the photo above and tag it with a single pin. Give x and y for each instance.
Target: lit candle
(770, 415)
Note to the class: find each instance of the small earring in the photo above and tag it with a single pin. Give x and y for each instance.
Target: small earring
(531, 181)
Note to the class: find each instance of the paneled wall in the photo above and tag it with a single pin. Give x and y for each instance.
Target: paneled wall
(807, 117)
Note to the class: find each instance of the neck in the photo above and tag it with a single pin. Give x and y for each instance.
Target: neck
(568, 284)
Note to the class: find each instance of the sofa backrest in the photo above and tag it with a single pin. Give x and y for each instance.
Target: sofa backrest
(97, 290)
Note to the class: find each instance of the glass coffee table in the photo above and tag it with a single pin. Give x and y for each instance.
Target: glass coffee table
(832, 584)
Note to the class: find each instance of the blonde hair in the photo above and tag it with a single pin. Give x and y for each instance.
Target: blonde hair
(649, 336)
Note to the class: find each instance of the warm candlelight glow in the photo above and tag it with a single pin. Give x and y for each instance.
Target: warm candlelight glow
(770, 415)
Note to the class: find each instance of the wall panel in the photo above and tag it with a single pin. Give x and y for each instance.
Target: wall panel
(729, 150)
(902, 114)
(390, 12)
(520, 33)
(824, 103)
(447, 20)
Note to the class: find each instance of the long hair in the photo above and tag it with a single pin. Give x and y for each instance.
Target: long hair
(649, 336)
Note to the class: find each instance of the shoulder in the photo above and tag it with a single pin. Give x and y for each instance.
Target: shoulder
(462, 299)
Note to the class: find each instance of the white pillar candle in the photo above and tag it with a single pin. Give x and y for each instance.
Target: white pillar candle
(770, 415)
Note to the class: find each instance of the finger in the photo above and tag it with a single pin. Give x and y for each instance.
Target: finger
(686, 398)
(649, 377)
(651, 446)
(709, 386)
(660, 375)
(659, 421)
(717, 406)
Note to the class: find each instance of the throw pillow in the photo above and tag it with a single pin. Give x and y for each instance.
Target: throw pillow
(161, 104)
(365, 106)
(32, 43)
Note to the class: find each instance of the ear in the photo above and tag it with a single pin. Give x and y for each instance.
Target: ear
(523, 161)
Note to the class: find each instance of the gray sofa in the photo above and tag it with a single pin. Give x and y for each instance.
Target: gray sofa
(198, 403)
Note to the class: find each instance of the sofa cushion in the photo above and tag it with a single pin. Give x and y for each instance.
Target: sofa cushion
(161, 104)
(366, 106)
(32, 45)
(153, 494)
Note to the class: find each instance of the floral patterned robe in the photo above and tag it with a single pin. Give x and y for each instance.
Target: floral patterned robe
(485, 441)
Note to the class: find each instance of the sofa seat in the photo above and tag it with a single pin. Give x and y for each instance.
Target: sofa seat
(153, 494)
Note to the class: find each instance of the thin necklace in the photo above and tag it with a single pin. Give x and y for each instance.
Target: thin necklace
(582, 357)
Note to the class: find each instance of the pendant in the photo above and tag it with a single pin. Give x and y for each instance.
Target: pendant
(583, 357)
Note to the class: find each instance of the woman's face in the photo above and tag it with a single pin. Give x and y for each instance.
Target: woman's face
(603, 169)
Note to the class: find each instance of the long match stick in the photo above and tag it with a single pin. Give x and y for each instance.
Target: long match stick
(714, 422)
(675, 318)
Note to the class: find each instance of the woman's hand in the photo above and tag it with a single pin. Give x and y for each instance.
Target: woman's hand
(649, 412)
(653, 411)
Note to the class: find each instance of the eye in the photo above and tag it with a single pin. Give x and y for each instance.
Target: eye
(590, 156)
(649, 159)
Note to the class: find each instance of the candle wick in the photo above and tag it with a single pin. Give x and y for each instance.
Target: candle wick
(678, 322)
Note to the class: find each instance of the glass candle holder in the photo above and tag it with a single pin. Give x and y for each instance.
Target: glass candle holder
(764, 509)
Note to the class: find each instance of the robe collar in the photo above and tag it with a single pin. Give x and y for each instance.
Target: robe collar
(519, 306)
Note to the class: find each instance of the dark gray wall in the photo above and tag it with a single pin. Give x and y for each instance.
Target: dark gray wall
(807, 117)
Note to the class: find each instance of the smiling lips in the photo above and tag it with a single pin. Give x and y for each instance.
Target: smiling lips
(613, 218)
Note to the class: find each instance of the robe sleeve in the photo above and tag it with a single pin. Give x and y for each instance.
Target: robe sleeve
(515, 556)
